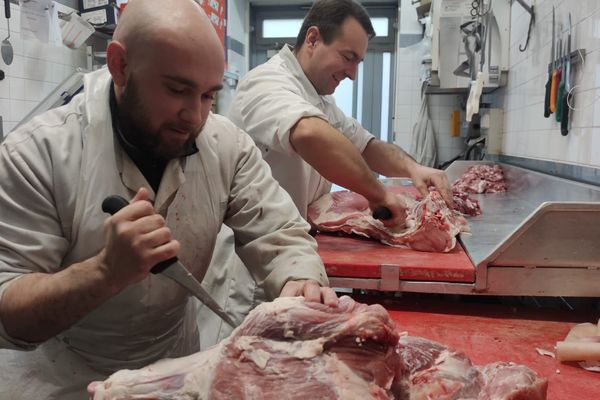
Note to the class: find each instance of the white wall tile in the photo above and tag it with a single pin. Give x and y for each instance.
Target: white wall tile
(35, 71)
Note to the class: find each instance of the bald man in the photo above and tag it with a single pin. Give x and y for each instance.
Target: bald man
(77, 301)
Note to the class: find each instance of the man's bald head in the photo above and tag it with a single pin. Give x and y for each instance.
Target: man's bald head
(166, 63)
(176, 22)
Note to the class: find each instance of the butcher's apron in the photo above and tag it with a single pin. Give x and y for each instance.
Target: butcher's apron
(231, 285)
(150, 320)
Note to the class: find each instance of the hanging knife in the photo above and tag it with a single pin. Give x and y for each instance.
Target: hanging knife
(172, 268)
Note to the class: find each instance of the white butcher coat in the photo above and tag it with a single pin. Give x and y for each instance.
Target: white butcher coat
(269, 100)
(54, 173)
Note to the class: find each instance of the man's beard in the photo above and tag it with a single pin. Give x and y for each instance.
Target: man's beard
(134, 121)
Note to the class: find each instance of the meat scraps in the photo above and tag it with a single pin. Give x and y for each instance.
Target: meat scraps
(294, 349)
(465, 204)
(482, 178)
(430, 224)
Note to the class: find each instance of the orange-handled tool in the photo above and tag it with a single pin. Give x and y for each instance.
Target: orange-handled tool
(548, 87)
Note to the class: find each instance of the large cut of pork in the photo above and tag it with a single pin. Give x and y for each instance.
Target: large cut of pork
(288, 349)
(292, 349)
(430, 224)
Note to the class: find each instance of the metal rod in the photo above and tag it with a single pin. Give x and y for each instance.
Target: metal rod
(527, 8)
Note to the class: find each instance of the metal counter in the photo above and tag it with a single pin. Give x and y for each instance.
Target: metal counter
(540, 238)
(543, 231)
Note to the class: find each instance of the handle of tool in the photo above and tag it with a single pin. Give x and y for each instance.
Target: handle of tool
(560, 100)
(7, 9)
(382, 213)
(112, 204)
(553, 89)
(564, 122)
(547, 111)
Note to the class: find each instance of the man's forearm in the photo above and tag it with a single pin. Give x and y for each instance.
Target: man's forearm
(38, 306)
(335, 158)
(388, 159)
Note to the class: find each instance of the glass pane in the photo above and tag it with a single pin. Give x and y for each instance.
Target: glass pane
(380, 24)
(385, 95)
(343, 96)
(359, 93)
(281, 28)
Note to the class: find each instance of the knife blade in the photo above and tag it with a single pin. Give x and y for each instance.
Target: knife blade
(172, 268)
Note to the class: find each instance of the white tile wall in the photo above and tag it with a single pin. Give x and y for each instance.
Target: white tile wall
(408, 106)
(527, 132)
(37, 68)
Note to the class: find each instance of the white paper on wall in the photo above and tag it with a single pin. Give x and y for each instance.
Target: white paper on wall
(36, 19)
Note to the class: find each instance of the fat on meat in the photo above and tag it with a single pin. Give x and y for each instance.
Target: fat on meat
(430, 224)
(294, 349)
(289, 346)
(582, 344)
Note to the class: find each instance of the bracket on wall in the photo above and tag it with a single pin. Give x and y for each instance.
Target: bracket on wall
(530, 11)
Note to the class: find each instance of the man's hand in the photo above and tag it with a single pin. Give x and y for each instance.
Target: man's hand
(395, 205)
(311, 290)
(422, 177)
(136, 239)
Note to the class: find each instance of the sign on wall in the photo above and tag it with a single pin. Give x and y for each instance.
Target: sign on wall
(217, 12)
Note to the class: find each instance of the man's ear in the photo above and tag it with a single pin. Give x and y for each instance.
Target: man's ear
(312, 37)
(116, 60)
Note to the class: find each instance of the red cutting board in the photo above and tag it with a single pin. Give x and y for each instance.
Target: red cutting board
(355, 257)
(499, 332)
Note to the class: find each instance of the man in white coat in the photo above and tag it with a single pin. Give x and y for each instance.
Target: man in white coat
(285, 105)
(77, 300)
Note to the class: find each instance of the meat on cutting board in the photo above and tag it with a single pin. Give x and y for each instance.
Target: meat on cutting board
(430, 224)
(430, 370)
(294, 349)
(287, 346)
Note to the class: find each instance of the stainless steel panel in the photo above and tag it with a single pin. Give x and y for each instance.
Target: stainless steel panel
(504, 213)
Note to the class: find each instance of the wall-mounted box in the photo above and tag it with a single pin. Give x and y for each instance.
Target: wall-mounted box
(449, 52)
(100, 13)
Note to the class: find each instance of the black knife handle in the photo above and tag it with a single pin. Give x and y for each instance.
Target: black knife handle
(382, 213)
(547, 111)
(112, 204)
(564, 122)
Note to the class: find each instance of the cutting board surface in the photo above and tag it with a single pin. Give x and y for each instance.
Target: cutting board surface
(355, 257)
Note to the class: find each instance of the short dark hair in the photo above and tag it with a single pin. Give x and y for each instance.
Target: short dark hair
(329, 15)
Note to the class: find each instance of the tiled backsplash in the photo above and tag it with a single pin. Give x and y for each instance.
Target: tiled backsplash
(408, 106)
(527, 133)
(37, 69)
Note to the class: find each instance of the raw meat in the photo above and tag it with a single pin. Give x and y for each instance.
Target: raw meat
(465, 204)
(506, 380)
(429, 370)
(294, 349)
(582, 344)
(430, 224)
(482, 178)
(302, 349)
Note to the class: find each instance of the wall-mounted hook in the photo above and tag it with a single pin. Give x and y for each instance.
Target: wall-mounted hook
(529, 9)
